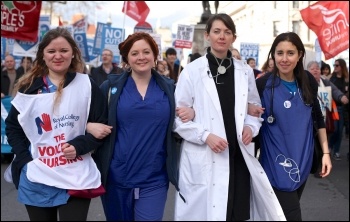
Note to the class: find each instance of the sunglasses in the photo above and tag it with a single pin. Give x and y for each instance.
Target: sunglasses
(336, 65)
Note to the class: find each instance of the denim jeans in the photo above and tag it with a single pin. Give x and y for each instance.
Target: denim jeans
(336, 137)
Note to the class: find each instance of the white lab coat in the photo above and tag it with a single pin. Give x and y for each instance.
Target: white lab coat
(203, 174)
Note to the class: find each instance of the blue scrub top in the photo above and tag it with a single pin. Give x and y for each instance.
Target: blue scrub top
(287, 144)
(140, 151)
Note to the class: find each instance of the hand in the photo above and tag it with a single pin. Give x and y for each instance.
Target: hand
(69, 151)
(344, 100)
(217, 144)
(255, 110)
(326, 165)
(186, 114)
(247, 135)
(2, 95)
(99, 130)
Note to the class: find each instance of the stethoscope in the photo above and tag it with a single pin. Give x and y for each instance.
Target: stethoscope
(271, 118)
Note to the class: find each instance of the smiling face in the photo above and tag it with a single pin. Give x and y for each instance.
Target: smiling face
(58, 56)
(286, 57)
(141, 58)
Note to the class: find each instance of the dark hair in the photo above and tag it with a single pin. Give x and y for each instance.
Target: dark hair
(250, 59)
(26, 58)
(325, 66)
(226, 19)
(170, 51)
(344, 70)
(194, 56)
(299, 71)
(124, 47)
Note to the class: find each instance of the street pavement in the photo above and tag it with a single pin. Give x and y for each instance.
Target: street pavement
(324, 199)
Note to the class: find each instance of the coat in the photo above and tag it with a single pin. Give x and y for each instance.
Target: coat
(203, 174)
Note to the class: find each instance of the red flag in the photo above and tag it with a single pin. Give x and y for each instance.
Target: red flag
(60, 23)
(330, 22)
(20, 20)
(137, 10)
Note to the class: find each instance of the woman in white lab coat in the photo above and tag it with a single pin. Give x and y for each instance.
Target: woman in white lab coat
(219, 176)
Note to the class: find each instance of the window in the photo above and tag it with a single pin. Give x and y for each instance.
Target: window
(276, 25)
(296, 4)
(296, 27)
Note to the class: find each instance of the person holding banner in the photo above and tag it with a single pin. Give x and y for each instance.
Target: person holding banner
(46, 130)
(140, 156)
(219, 176)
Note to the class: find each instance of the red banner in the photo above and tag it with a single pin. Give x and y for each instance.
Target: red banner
(137, 10)
(330, 22)
(20, 20)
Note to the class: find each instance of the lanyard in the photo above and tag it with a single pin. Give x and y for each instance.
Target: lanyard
(46, 84)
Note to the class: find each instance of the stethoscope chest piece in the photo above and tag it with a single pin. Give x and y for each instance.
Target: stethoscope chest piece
(270, 119)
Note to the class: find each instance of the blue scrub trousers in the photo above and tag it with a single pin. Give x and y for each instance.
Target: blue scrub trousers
(134, 204)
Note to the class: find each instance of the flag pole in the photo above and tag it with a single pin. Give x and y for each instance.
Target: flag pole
(123, 30)
(126, 9)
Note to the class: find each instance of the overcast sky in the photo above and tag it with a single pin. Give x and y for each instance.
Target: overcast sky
(166, 12)
(162, 13)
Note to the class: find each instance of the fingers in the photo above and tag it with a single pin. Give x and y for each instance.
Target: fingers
(69, 151)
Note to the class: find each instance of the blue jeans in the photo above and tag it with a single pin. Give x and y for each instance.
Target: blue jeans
(336, 137)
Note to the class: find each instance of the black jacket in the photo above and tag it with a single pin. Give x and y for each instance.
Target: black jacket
(83, 143)
(5, 82)
(99, 75)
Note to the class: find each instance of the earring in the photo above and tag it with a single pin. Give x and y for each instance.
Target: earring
(72, 56)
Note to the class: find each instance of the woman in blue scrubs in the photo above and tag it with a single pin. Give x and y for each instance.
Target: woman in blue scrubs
(140, 156)
(286, 136)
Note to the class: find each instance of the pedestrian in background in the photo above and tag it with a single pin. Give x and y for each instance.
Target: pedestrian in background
(325, 96)
(99, 74)
(252, 63)
(340, 78)
(171, 57)
(139, 157)
(289, 96)
(268, 66)
(163, 68)
(219, 174)
(9, 77)
(46, 130)
(326, 70)
(26, 65)
(236, 54)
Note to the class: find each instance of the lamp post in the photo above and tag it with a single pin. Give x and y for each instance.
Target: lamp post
(109, 20)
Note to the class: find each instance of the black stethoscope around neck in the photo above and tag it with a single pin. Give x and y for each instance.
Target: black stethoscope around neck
(271, 118)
